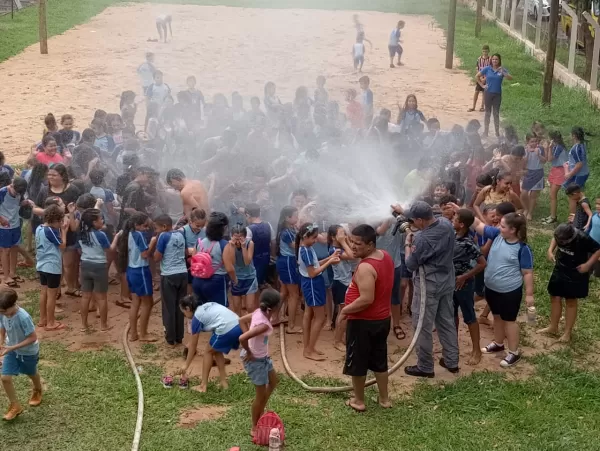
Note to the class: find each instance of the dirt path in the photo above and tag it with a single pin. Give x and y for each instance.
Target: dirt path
(228, 49)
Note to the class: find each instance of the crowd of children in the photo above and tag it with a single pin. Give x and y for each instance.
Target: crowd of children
(104, 197)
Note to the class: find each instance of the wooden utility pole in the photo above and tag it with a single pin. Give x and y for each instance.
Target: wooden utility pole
(450, 36)
(478, 18)
(43, 28)
(550, 54)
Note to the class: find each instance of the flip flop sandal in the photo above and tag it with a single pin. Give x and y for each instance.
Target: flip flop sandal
(123, 304)
(74, 293)
(13, 284)
(114, 281)
(57, 326)
(24, 265)
(18, 279)
(399, 333)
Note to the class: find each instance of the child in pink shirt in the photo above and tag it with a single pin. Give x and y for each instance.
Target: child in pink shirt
(255, 341)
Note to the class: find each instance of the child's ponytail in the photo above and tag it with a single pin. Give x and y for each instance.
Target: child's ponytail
(269, 300)
(88, 217)
(137, 218)
(518, 222)
(306, 229)
(190, 302)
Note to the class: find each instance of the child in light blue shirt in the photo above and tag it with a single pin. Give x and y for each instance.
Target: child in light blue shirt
(21, 350)
(171, 253)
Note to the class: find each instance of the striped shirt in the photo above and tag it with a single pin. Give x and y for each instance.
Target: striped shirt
(482, 62)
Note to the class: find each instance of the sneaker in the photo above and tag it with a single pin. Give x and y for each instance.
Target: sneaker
(167, 381)
(492, 348)
(36, 398)
(511, 359)
(183, 383)
(14, 410)
(416, 372)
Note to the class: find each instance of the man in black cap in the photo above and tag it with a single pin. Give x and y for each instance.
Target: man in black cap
(432, 248)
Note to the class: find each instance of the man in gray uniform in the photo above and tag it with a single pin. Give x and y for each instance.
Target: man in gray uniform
(432, 248)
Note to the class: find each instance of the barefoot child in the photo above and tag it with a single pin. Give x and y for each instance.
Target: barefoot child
(226, 331)
(287, 268)
(134, 252)
(465, 252)
(21, 350)
(170, 252)
(394, 46)
(94, 268)
(482, 61)
(574, 254)
(50, 239)
(257, 362)
(358, 53)
(556, 177)
(313, 287)
(247, 285)
(533, 181)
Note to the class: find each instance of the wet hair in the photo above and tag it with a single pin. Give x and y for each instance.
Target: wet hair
(564, 234)
(47, 139)
(517, 221)
(175, 174)
(88, 136)
(50, 121)
(239, 229)
(8, 298)
(86, 226)
(197, 214)
(86, 201)
(332, 233)
(20, 185)
(164, 220)
(190, 302)
(366, 233)
(253, 210)
(269, 300)
(465, 217)
(485, 179)
(449, 185)
(500, 175)
(518, 151)
(126, 97)
(136, 219)
(96, 177)
(306, 230)
(573, 188)
(490, 207)
(504, 208)
(578, 133)
(53, 212)
(556, 136)
(286, 212)
(216, 225)
(448, 198)
(62, 171)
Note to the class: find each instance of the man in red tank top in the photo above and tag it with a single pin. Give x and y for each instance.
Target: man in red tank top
(367, 308)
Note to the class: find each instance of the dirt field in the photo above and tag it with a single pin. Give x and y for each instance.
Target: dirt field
(227, 49)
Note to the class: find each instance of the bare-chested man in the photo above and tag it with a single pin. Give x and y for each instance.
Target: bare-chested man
(193, 193)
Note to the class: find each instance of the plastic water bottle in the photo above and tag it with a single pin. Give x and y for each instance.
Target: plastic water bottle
(531, 316)
(274, 440)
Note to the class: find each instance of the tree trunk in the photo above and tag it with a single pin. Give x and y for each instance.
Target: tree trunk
(588, 42)
(478, 18)
(550, 53)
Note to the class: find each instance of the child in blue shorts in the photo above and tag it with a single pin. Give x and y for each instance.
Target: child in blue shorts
(257, 362)
(247, 284)
(134, 252)
(287, 268)
(21, 351)
(11, 200)
(225, 327)
(313, 287)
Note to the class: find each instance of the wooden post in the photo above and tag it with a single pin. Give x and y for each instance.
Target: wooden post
(503, 11)
(550, 53)
(479, 13)
(513, 14)
(495, 8)
(450, 36)
(525, 18)
(538, 26)
(594, 76)
(574, 27)
(43, 28)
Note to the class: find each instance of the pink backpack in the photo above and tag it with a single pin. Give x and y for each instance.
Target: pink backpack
(201, 265)
(267, 422)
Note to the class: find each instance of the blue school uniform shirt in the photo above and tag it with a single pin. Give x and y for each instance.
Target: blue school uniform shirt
(505, 262)
(18, 327)
(48, 256)
(136, 244)
(307, 257)
(216, 253)
(10, 171)
(287, 237)
(191, 237)
(342, 272)
(577, 154)
(242, 270)
(262, 235)
(493, 79)
(534, 162)
(172, 247)
(105, 144)
(213, 317)
(94, 252)
(367, 102)
(559, 156)
(9, 208)
(594, 230)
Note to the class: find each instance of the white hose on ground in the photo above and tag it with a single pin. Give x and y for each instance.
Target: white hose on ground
(140, 412)
(370, 382)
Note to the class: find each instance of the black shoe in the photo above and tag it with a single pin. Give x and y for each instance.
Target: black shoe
(416, 372)
(511, 359)
(443, 365)
(492, 348)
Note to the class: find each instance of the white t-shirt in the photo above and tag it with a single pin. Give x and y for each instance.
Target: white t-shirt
(213, 317)
(146, 73)
(394, 37)
(359, 49)
(159, 93)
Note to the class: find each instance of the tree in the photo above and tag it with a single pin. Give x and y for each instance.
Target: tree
(551, 53)
(478, 18)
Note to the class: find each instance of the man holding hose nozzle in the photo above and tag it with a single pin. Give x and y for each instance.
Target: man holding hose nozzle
(429, 254)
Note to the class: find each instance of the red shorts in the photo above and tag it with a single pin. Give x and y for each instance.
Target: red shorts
(557, 176)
